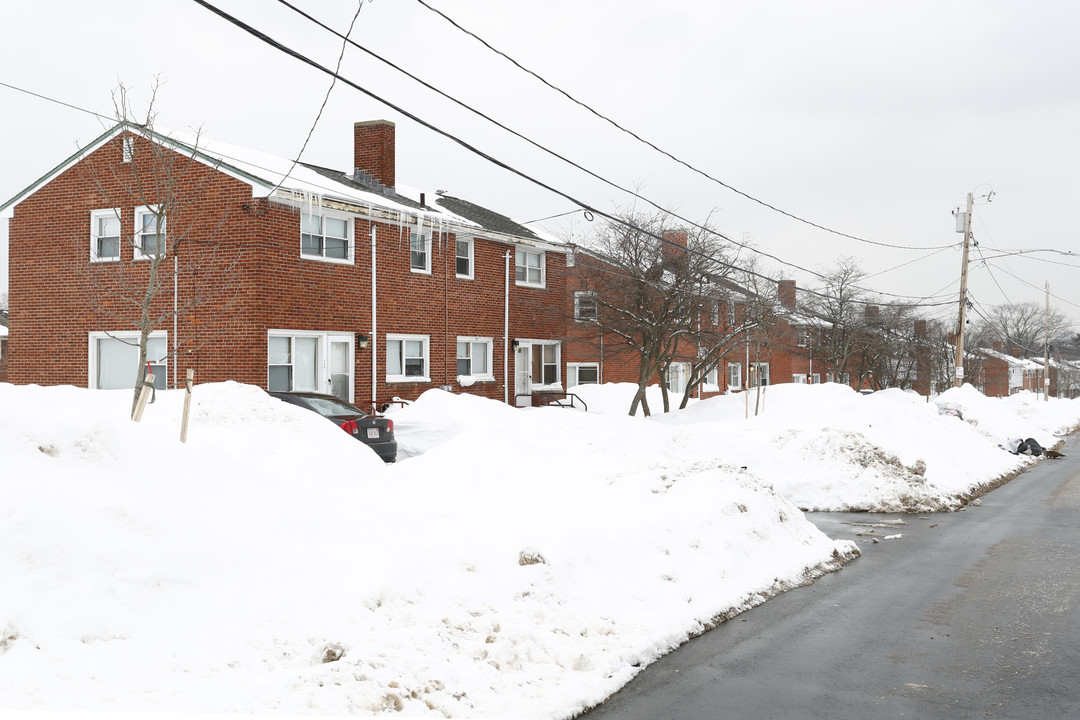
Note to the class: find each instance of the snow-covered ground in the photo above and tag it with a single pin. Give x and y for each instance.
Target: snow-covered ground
(513, 563)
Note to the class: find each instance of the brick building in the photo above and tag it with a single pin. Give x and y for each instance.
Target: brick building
(282, 275)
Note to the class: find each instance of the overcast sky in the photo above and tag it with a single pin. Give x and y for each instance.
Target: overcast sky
(871, 119)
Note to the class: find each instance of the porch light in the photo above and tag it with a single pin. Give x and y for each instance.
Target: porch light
(361, 340)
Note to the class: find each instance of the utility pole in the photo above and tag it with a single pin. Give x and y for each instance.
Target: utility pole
(1046, 363)
(963, 291)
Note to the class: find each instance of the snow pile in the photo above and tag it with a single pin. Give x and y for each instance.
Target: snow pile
(513, 563)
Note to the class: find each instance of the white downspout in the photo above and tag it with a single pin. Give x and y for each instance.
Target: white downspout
(175, 312)
(373, 343)
(506, 334)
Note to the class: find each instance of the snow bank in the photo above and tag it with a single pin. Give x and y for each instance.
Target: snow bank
(520, 563)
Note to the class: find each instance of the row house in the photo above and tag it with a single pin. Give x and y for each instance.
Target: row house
(1001, 374)
(276, 273)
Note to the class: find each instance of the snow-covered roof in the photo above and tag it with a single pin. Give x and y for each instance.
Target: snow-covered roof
(285, 180)
(1014, 361)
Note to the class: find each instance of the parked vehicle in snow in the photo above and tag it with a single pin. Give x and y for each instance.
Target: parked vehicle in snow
(376, 431)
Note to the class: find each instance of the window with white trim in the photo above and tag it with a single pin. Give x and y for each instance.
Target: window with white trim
(474, 358)
(463, 257)
(114, 359)
(712, 380)
(105, 235)
(545, 363)
(149, 233)
(714, 316)
(815, 379)
(529, 267)
(292, 363)
(799, 378)
(326, 236)
(759, 374)
(407, 358)
(734, 376)
(419, 253)
(582, 374)
(585, 306)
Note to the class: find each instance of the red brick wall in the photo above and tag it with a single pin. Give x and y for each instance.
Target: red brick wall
(243, 255)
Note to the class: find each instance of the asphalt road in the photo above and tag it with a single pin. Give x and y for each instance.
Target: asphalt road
(972, 614)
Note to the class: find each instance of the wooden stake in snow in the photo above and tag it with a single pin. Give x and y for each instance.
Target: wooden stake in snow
(144, 395)
(187, 404)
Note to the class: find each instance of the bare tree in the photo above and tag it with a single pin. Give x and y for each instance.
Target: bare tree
(1024, 326)
(647, 279)
(136, 271)
(841, 303)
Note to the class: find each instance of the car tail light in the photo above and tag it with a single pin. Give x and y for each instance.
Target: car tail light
(350, 426)
(389, 425)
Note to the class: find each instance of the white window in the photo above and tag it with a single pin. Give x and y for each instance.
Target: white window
(105, 235)
(474, 358)
(529, 267)
(712, 380)
(799, 378)
(291, 363)
(407, 358)
(582, 374)
(804, 337)
(815, 379)
(419, 253)
(127, 152)
(734, 376)
(545, 360)
(463, 258)
(149, 233)
(585, 306)
(715, 315)
(759, 374)
(114, 360)
(677, 376)
(326, 236)
(298, 361)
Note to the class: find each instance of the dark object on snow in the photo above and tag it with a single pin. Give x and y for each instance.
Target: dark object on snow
(1053, 454)
(1030, 447)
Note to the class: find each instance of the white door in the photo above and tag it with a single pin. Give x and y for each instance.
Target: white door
(523, 374)
(341, 367)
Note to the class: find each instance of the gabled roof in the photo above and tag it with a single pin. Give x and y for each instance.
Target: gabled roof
(287, 181)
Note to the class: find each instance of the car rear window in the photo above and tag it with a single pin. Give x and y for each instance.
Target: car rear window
(332, 406)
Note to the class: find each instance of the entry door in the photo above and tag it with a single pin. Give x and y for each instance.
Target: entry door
(523, 374)
(340, 368)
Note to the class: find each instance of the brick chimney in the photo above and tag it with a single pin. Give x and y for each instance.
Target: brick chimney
(996, 345)
(675, 245)
(785, 290)
(872, 313)
(374, 150)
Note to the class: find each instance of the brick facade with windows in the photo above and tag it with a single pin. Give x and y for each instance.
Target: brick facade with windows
(244, 275)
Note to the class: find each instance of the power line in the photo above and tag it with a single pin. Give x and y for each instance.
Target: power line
(543, 148)
(326, 99)
(499, 163)
(556, 155)
(58, 102)
(660, 150)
